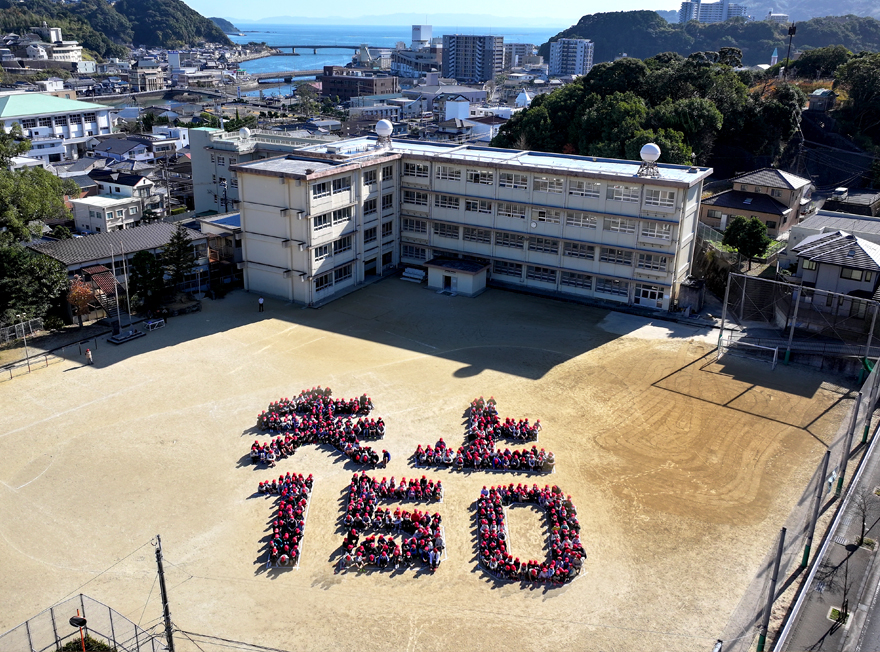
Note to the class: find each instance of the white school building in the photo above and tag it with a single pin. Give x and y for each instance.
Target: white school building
(328, 217)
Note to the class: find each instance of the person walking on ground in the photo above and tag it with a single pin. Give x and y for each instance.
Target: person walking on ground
(260, 301)
(89, 357)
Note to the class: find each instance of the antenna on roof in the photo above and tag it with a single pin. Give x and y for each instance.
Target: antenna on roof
(650, 152)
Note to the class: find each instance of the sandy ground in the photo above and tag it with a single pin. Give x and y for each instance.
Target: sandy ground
(682, 471)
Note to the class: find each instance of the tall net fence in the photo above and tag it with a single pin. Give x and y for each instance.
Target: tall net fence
(51, 629)
(14, 332)
(801, 319)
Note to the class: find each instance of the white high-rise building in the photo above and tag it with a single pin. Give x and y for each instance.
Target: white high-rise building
(710, 12)
(571, 56)
(421, 37)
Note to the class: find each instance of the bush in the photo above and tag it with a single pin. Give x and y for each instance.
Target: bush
(53, 323)
(92, 645)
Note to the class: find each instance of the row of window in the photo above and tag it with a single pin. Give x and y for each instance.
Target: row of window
(344, 244)
(326, 220)
(221, 160)
(59, 120)
(326, 188)
(120, 212)
(327, 280)
(613, 255)
(771, 224)
(848, 273)
(774, 192)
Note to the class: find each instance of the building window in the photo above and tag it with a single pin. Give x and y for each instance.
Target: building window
(544, 245)
(231, 160)
(369, 235)
(504, 268)
(664, 198)
(413, 197)
(714, 214)
(342, 215)
(387, 173)
(513, 240)
(369, 207)
(482, 177)
(575, 280)
(543, 274)
(511, 180)
(370, 177)
(410, 251)
(133, 210)
(619, 192)
(45, 122)
(323, 281)
(657, 230)
(583, 188)
(620, 225)
(579, 250)
(771, 224)
(342, 274)
(612, 286)
(342, 245)
(477, 235)
(506, 209)
(581, 220)
(446, 201)
(649, 295)
(448, 173)
(652, 261)
(320, 190)
(547, 184)
(221, 160)
(29, 123)
(775, 192)
(478, 206)
(90, 117)
(446, 231)
(322, 252)
(341, 185)
(387, 203)
(810, 264)
(546, 215)
(759, 189)
(60, 121)
(855, 274)
(387, 229)
(120, 212)
(234, 182)
(320, 222)
(616, 256)
(415, 226)
(415, 170)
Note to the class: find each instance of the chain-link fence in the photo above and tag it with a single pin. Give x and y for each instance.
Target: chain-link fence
(51, 629)
(17, 331)
(811, 320)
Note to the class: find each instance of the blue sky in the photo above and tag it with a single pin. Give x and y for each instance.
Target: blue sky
(566, 11)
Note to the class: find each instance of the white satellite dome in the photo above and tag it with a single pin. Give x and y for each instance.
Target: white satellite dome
(384, 128)
(244, 132)
(650, 153)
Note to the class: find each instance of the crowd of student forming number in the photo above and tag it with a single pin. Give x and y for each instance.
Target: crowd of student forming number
(484, 429)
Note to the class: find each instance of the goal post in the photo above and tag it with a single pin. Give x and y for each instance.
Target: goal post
(739, 349)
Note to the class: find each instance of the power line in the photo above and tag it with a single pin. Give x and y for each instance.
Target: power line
(104, 571)
(149, 595)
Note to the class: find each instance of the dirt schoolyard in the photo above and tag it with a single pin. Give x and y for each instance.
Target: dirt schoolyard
(682, 471)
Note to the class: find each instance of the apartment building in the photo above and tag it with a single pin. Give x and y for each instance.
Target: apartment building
(710, 12)
(322, 220)
(472, 59)
(101, 214)
(515, 54)
(571, 56)
(346, 83)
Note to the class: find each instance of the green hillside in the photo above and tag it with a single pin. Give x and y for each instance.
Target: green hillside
(643, 34)
(225, 25)
(168, 23)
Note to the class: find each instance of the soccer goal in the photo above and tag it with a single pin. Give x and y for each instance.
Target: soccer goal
(740, 349)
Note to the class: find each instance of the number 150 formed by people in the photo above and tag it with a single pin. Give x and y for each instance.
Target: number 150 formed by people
(315, 418)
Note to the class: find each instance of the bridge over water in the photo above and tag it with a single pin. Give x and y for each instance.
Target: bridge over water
(315, 48)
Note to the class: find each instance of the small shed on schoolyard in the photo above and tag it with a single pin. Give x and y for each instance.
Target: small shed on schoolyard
(465, 277)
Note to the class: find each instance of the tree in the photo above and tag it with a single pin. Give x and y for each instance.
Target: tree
(864, 503)
(178, 256)
(821, 62)
(30, 196)
(29, 282)
(12, 144)
(61, 232)
(860, 77)
(146, 278)
(80, 295)
(747, 236)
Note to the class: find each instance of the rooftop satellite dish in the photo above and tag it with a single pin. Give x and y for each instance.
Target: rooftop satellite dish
(384, 128)
(650, 153)
(244, 132)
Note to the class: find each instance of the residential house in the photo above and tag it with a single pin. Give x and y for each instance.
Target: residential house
(102, 214)
(779, 199)
(122, 149)
(118, 184)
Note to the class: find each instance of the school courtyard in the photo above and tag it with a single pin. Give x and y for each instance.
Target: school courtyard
(682, 471)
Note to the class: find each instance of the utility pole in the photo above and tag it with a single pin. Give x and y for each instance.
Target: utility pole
(792, 30)
(771, 596)
(165, 608)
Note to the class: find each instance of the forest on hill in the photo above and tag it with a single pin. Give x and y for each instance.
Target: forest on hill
(106, 30)
(643, 34)
(225, 25)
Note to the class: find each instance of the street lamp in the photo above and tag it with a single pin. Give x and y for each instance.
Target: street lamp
(79, 621)
(24, 335)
